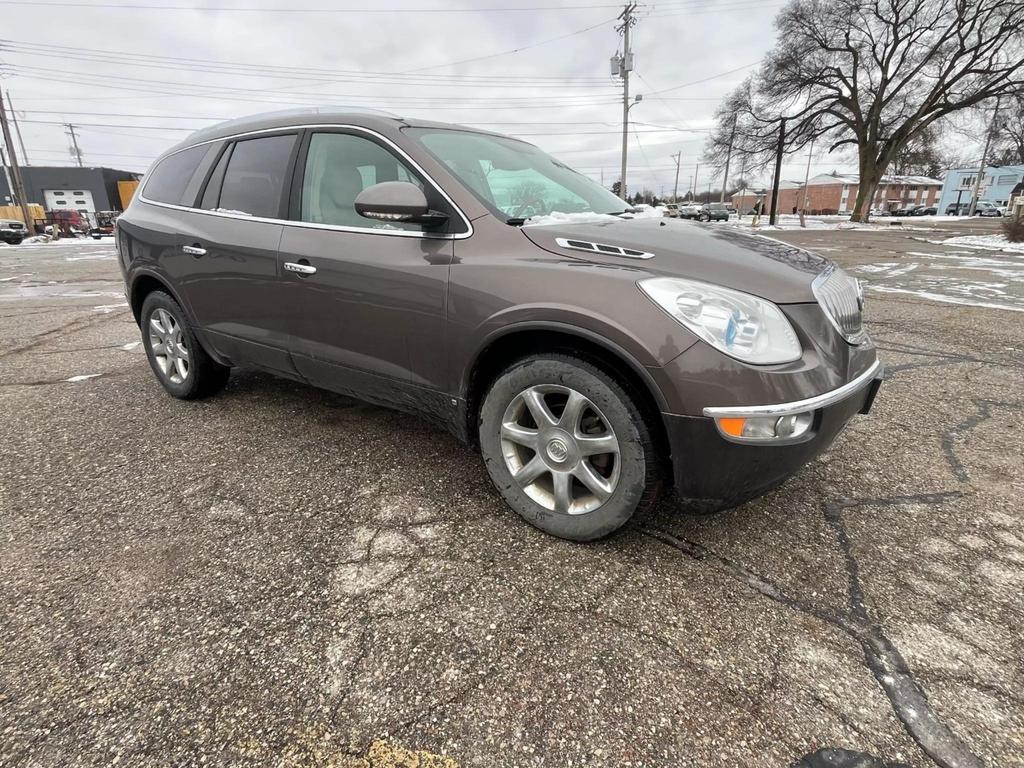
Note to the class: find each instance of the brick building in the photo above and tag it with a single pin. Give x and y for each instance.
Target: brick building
(830, 193)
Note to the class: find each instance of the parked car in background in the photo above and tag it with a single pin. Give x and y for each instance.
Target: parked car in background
(105, 223)
(958, 209)
(931, 210)
(12, 231)
(713, 212)
(689, 211)
(672, 210)
(369, 255)
(916, 210)
(986, 208)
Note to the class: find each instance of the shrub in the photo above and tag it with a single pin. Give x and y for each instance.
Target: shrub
(1013, 228)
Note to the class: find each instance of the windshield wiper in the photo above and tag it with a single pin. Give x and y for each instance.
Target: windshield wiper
(515, 222)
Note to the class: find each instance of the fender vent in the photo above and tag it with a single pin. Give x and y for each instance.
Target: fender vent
(611, 250)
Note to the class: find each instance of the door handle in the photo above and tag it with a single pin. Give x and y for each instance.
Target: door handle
(302, 269)
(193, 250)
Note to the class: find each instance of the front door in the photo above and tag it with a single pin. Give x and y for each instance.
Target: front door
(367, 311)
(233, 282)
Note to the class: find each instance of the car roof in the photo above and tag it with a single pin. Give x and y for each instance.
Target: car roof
(312, 116)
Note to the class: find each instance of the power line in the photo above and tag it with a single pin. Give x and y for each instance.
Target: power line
(284, 9)
(311, 75)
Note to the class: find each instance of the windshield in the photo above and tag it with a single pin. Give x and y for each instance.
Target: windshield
(515, 179)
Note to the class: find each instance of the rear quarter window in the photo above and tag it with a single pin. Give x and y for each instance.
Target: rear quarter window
(169, 180)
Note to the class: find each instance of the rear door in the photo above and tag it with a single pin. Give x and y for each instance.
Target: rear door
(232, 282)
(370, 319)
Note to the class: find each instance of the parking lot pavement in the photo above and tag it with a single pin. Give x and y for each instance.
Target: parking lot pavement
(280, 576)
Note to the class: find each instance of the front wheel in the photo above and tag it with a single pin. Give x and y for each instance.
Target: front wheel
(176, 357)
(567, 448)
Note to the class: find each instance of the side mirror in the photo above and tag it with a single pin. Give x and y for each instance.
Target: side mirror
(400, 201)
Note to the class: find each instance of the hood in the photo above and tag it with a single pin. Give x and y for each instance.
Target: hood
(719, 254)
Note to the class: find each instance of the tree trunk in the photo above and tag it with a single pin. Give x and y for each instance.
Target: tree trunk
(870, 176)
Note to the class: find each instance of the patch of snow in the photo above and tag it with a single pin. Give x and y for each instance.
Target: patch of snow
(106, 309)
(943, 297)
(984, 242)
(131, 345)
(83, 377)
(557, 217)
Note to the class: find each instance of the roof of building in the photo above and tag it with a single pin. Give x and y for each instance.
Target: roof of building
(853, 178)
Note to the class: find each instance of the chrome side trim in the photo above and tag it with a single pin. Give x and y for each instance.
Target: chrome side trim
(587, 246)
(308, 224)
(798, 406)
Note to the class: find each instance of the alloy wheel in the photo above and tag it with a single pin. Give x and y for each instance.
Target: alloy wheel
(168, 346)
(560, 449)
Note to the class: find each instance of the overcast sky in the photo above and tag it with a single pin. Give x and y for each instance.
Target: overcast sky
(133, 74)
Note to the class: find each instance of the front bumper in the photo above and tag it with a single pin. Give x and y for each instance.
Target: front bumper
(717, 472)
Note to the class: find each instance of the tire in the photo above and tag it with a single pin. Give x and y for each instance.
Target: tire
(628, 478)
(203, 376)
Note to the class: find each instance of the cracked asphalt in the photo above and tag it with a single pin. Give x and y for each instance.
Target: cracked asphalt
(279, 576)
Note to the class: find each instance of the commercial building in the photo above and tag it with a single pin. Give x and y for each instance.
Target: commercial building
(58, 188)
(830, 193)
(997, 185)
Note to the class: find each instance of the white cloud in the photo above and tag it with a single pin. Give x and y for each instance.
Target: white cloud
(677, 41)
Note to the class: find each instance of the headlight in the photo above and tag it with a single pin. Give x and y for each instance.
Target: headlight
(740, 325)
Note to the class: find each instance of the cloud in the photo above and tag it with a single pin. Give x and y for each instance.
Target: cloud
(558, 95)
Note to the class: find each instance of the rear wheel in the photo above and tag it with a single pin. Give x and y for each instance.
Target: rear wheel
(567, 448)
(176, 357)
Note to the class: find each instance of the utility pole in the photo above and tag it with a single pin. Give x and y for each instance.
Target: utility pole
(19, 185)
(807, 178)
(75, 151)
(696, 173)
(984, 159)
(625, 65)
(728, 157)
(17, 129)
(678, 156)
(778, 171)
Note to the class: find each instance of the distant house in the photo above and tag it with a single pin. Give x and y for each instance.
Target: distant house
(746, 199)
(997, 185)
(63, 188)
(830, 193)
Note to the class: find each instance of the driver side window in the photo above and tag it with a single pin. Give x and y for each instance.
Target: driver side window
(338, 167)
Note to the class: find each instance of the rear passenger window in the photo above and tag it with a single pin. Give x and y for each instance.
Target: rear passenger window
(168, 181)
(211, 196)
(254, 180)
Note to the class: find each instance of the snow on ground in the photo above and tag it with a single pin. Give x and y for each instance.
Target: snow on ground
(983, 242)
(951, 278)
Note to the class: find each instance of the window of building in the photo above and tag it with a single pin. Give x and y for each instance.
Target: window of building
(167, 182)
(1008, 178)
(254, 179)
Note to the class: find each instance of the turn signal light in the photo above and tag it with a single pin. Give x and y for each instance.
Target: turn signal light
(766, 428)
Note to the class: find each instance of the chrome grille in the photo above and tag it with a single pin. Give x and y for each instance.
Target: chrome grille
(842, 299)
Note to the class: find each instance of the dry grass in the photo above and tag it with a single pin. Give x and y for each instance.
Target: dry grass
(1014, 229)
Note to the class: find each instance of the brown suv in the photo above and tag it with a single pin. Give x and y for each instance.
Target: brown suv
(595, 355)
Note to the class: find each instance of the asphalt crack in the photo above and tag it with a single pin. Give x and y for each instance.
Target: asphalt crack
(906, 697)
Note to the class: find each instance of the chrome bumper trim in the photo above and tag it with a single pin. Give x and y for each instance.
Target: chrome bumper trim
(798, 406)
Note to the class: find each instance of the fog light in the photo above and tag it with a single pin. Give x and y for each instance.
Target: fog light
(794, 425)
(766, 428)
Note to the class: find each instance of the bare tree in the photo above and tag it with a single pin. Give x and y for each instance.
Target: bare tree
(1009, 136)
(872, 75)
(920, 156)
